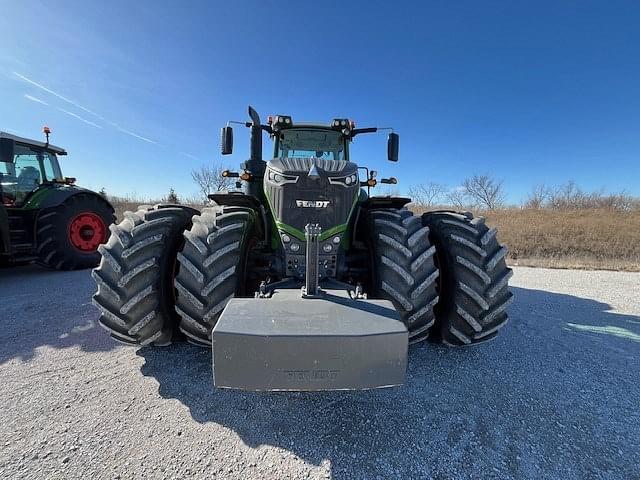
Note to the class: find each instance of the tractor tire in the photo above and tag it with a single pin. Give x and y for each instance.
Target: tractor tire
(135, 293)
(68, 235)
(404, 270)
(212, 266)
(473, 285)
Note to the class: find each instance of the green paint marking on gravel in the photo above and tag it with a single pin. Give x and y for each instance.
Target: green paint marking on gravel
(608, 330)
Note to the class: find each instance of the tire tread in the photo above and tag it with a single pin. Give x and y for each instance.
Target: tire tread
(135, 275)
(474, 289)
(404, 266)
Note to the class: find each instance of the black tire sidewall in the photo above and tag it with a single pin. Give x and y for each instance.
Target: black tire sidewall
(61, 222)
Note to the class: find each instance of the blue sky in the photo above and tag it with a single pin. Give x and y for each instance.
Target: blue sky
(530, 92)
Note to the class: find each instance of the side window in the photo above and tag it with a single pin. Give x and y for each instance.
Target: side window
(7, 183)
(28, 172)
(51, 167)
(7, 169)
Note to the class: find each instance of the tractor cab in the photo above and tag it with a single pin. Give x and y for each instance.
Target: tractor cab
(43, 215)
(302, 140)
(25, 165)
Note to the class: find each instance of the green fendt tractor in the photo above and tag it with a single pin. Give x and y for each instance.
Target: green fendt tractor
(303, 281)
(43, 216)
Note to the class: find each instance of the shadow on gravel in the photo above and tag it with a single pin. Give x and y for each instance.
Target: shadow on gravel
(41, 307)
(551, 397)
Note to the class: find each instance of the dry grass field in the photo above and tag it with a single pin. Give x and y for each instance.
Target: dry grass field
(587, 238)
(591, 238)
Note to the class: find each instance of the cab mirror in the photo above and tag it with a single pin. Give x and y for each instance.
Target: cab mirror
(226, 140)
(393, 143)
(7, 148)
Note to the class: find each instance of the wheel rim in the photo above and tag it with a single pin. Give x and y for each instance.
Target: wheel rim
(86, 231)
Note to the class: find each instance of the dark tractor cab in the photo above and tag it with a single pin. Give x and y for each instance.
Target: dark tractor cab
(43, 215)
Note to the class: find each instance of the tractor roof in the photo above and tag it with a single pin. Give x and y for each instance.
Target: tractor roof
(284, 122)
(310, 125)
(33, 143)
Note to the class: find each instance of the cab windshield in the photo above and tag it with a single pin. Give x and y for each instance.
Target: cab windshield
(309, 143)
(29, 169)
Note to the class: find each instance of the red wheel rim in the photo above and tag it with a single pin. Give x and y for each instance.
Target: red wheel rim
(86, 231)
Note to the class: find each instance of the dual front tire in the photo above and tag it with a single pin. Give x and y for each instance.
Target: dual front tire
(444, 272)
(168, 272)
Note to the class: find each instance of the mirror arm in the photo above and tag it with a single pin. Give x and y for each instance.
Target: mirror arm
(266, 128)
(235, 122)
(358, 131)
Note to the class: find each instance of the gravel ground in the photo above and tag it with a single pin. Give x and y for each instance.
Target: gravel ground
(556, 395)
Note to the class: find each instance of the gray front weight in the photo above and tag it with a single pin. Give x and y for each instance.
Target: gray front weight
(332, 342)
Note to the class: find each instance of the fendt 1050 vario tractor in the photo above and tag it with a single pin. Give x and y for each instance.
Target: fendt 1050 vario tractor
(303, 281)
(43, 215)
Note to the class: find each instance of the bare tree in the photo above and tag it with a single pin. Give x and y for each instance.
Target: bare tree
(485, 191)
(458, 198)
(209, 179)
(538, 197)
(427, 194)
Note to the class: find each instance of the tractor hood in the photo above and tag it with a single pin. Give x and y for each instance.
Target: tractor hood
(296, 165)
(311, 190)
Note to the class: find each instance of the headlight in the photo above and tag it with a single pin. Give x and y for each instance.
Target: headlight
(286, 238)
(327, 247)
(344, 181)
(280, 179)
(336, 239)
(295, 247)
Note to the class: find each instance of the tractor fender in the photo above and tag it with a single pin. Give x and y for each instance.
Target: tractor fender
(52, 196)
(372, 203)
(240, 199)
(4, 231)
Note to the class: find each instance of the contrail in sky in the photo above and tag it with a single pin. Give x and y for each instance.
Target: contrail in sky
(77, 105)
(79, 117)
(55, 94)
(34, 99)
(145, 139)
(188, 155)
